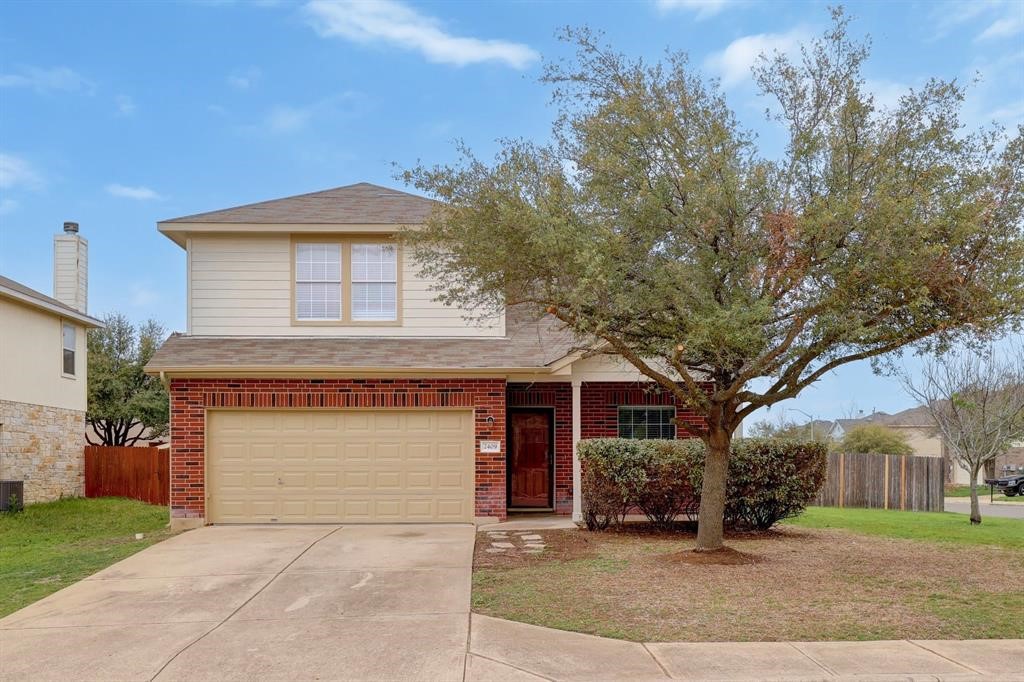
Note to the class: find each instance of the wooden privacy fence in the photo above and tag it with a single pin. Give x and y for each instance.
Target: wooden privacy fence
(906, 482)
(138, 473)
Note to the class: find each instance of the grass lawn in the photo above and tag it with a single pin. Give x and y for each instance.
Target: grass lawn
(48, 546)
(983, 492)
(942, 528)
(830, 575)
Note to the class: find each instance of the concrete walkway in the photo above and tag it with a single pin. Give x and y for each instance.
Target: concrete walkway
(503, 650)
(384, 603)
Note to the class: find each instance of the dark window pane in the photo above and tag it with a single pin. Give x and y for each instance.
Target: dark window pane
(646, 422)
(69, 361)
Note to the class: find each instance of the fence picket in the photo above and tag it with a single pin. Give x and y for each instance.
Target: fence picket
(137, 473)
(912, 483)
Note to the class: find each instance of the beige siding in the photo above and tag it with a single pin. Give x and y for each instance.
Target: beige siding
(31, 355)
(241, 286)
(606, 368)
(70, 271)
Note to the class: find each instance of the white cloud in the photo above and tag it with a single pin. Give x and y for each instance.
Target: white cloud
(17, 172)
(1003, 28)
(394, 23)
(701, 8)
(138, 193)
(56, 79)
(286, 119)
(886, 93)
(8, 206)
(125, 105)
(1004, 18)
(245, 78)
(142, 295)
(734, 62)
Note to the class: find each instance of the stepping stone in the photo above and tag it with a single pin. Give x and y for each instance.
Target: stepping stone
(531, 537)
(534, 551)
(535, 546)
(503, 545)
(495, 550)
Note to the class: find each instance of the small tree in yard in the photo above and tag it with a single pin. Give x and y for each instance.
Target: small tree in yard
(875, 439)
(977, 403)
(653, 229)
(124, 403)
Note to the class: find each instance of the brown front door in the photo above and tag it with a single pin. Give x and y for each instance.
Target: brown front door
(530, 463)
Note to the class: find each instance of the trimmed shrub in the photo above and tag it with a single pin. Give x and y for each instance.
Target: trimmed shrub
(769, 480)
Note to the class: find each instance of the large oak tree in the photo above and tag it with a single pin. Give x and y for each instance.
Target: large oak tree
(654, 227)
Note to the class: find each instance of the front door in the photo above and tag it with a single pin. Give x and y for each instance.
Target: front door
(530, 458)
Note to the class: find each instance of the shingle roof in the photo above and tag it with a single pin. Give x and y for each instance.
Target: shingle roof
(528, 343)
(359, 204)
(19, 291)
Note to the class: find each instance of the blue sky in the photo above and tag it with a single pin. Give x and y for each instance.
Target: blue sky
(118, 114)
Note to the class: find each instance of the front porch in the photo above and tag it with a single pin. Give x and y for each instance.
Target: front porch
(545, 421)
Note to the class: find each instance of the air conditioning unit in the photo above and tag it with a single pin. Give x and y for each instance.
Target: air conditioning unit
(12, 495)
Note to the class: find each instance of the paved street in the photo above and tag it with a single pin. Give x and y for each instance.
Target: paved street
(1009, 510)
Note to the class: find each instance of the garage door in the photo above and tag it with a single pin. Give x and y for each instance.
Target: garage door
(301, 466)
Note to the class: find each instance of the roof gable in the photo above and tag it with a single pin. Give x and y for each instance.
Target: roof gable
(359, 204)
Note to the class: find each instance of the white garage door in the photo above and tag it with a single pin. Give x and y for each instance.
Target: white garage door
(302, 466)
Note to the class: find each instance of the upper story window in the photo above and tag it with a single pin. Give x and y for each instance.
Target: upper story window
(317, 281)
(68, 338)
(374, 282)
(647, 422)
(347, 281)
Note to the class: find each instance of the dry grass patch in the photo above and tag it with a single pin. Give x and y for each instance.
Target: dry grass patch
(790, 584)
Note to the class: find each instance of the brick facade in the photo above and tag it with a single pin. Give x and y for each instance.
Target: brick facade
(600, 401)
(559, 397)
(44, 447)
(191, 397)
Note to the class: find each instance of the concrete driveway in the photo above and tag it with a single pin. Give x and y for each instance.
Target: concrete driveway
(259, 602)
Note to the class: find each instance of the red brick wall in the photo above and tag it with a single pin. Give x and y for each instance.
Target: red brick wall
(558, 396)
(599, 403)
(191, 397)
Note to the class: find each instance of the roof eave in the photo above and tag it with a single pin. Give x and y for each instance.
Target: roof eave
(59, 311)
(317, 371)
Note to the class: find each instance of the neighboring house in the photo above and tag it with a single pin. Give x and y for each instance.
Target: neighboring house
(922, 436)
(43, 365)
(320, 381)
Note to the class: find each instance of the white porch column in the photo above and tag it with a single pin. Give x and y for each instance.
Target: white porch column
(577, 476)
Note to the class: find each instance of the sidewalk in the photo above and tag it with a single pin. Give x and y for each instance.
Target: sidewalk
(504, 650)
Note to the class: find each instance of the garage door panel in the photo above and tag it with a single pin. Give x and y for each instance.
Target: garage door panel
(340, 466)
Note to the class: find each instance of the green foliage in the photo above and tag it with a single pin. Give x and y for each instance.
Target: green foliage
(769, 480)
(654, 226)
(876, 439)
(788, 430)
(125, 403)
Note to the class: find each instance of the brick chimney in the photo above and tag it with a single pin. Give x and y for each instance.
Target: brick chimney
(71, 268)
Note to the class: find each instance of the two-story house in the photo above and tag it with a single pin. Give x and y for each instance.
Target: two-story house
(43, 365)
(319, 379)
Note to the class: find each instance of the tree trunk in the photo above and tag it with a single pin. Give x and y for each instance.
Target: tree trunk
(975, 510)
(711, 517)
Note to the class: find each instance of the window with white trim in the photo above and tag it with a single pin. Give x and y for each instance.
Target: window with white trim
(647, 422)
(374, 282)
(68, 341)
(318, 281)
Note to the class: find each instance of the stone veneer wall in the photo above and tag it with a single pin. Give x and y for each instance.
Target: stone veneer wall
(44, 447)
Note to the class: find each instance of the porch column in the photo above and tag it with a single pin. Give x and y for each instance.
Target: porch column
(577, 477)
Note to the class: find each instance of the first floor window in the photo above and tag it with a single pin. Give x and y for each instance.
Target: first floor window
(647, 422)
(318, 281)
(68, 338)
(374, 282)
